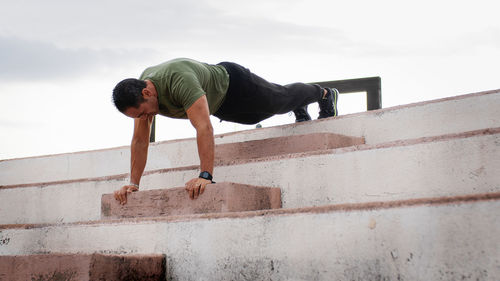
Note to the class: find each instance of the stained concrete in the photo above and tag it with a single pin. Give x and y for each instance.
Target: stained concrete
(220, 197)
(283, 146)
(82, 267)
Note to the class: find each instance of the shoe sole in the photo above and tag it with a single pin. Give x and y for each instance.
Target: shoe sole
(335, 98)
(301, 120)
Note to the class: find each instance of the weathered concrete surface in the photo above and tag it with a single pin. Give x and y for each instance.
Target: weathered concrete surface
(282, 146)
(454, 115)
(220, 197)
(120, 267)
(444, 239)
(82, 267)
(97, 162)
(444, 166)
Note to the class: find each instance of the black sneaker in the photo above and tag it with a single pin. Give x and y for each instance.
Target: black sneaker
(301, 114)
(328, 104)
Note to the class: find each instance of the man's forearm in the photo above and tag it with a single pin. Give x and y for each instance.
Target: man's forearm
(205, 141)
(139, 148)
(138, 158)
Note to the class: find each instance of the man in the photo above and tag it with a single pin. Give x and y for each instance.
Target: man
(185, 88)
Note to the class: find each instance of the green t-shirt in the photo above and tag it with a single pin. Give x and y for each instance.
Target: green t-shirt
(180, 82)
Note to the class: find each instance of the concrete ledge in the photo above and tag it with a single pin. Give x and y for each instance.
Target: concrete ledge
(82, 267)
(348, 207)
(229, 152)
(228, 162)
(217, 198)
(283, 145)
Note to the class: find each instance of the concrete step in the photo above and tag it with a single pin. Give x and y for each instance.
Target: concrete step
(283, 145)
(443, 238)
(242, 150)
(454, 115)
(82, 267)
(217, 198)
(447, 165)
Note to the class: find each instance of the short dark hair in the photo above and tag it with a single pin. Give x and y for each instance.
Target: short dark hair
(128, 93)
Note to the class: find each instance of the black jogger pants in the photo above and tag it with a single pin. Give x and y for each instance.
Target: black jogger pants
(251, 99)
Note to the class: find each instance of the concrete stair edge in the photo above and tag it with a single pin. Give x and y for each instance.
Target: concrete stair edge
(354, 148)
(333, 208)
(254, 149)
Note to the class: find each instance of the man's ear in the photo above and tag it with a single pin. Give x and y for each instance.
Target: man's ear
(146, 93)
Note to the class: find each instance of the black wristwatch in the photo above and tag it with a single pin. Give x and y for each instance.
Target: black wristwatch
(206, 175)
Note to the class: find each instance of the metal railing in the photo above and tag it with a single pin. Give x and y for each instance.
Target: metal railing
(153, 130)
(371, 85)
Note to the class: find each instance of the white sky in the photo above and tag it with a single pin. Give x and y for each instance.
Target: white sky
(59, 60)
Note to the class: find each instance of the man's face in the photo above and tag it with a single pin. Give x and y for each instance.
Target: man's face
(148, 108)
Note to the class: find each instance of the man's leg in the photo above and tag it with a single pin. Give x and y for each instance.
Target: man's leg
(327, 104)
(301, 114)
(251, 99)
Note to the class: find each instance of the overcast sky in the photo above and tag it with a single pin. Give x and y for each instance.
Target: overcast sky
(59, 60)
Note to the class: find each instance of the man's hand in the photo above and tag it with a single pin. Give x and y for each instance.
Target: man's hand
(121, 194)
(196, 186)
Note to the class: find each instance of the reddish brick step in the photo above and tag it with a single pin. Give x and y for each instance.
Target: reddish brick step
(82, 267)
(217, 198)
(283, 145)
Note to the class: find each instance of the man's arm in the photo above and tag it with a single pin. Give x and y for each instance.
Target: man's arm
(138, 156)
(139, 148)
(199, 115)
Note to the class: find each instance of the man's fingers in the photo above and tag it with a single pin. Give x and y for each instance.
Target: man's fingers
(189, 185)
(196, 187)
(119, 196)
(124, 198)
(191, 193)
(196, 191)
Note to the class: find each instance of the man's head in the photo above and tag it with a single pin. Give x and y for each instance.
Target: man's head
(136, 98)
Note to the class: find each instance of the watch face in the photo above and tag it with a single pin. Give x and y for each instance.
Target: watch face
(206, 175)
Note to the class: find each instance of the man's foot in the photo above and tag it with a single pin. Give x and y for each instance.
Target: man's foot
(328, 103)
(301, 114)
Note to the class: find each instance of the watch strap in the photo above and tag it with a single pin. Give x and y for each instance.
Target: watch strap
(206, 175)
